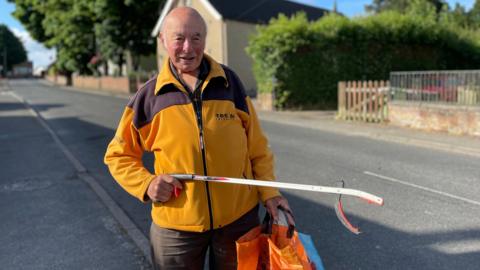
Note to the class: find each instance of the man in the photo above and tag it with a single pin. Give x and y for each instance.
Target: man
(196, 119)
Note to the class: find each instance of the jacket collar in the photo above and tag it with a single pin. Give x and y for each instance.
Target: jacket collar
(166, 76)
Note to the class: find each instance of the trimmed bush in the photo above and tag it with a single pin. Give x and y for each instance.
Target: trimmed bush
(301, 62)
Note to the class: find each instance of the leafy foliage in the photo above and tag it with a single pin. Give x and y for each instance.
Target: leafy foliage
(302, 62)
(125, 26)
(30, 14)
(83, 30)
(69, 24)
(11, 47)
(474, 15)
(378, 6)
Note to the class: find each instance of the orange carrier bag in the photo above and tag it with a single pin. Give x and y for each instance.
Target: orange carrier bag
(272, 247)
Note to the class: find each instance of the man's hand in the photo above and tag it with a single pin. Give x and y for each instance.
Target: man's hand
(161, 188)
(272, 207)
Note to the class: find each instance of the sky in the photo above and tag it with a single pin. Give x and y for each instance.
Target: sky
(37, 53)
(353, 8)
(42, 56)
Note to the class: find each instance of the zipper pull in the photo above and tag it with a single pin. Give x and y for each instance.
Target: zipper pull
(201, 141)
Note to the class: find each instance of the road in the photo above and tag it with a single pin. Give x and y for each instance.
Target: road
(430, 219)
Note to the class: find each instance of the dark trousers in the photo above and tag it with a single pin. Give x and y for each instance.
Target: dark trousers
(174, 249)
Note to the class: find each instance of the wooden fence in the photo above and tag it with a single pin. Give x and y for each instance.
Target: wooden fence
(363, 100)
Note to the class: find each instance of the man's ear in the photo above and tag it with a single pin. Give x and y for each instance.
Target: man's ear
(162, 39)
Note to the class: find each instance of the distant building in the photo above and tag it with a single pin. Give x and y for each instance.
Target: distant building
(22, 70)
(146, 64)
(39, 72)
(230, 23)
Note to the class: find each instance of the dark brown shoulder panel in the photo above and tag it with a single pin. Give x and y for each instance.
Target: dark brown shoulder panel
(235, 92)
(146, 104)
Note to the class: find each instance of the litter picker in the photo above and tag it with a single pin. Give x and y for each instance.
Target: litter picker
(370, 198)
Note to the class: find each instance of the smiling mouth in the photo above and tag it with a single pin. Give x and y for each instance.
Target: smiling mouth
(187, 58)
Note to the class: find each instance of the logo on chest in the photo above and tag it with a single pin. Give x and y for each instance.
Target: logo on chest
(225, 116)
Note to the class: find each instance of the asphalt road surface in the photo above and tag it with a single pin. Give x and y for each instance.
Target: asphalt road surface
(431, 216)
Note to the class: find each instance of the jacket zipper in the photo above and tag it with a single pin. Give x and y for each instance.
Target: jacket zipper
(196, 97)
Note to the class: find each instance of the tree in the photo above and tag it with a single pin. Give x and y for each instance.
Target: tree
(109, 31)
(474, 15)
(125, 26)
(30, 14)
(399, 5)
(457, 17)
(66, 25)
(422, 9)
(11, 49)
(79, 29)
(429, 9)
(69, 24)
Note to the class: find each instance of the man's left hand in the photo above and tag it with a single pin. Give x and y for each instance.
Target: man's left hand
(272, 207)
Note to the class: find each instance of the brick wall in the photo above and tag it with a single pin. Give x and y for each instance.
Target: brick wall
(107, 83)
(116, 84)
(86, 82)
(453, 119)
(112, 84)
(57, 79)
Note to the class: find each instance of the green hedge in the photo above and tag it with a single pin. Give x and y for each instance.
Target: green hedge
(303, 61)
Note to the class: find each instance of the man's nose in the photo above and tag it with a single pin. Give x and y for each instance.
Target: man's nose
(187, 45)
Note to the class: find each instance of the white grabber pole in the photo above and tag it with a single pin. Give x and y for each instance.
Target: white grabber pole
(324, 189)
(370, 198)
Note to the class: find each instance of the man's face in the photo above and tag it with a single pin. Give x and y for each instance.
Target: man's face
(184, 39)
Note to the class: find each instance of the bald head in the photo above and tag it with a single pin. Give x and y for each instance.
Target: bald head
(183, 35)
(185, 15)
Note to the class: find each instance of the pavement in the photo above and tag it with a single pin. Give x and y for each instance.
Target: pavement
(50, 217)
(326, 121)
(55, 219)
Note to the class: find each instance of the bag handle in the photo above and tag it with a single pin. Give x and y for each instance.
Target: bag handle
(286, 221)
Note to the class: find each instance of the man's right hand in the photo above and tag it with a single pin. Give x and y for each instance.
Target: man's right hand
(161, 188)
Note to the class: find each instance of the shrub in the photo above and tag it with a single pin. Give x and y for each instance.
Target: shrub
(302, 62)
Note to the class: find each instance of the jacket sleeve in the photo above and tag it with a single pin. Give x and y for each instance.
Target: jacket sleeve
(124, 158)
(261, 157)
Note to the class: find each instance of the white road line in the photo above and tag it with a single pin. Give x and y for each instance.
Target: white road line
(423, 188)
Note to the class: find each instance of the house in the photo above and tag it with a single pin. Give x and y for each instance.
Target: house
(23, 70)
(229, 24)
